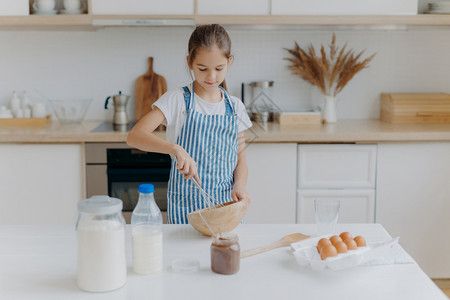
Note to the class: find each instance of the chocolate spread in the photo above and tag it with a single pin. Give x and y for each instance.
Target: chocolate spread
(225, 254)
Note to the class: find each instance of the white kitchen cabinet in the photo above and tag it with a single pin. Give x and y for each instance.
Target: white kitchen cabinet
(344, 7)
(142, 7)
(271, 183)
(342, 171)
(336, 166)
(233, 7)
(41, 183)
(14, 8)
(413, 201)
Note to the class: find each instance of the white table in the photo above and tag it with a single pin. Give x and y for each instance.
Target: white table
(40, 263)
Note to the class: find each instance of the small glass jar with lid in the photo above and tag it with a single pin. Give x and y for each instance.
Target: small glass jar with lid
(100, 228)
(225, 253)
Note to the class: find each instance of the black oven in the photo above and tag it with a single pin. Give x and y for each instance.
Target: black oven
(116, 170)
(127, 168)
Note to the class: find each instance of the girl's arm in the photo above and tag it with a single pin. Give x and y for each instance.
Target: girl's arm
(142, 138)
(240, 173)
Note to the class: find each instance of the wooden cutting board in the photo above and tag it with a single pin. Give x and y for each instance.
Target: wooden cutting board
(148, 88)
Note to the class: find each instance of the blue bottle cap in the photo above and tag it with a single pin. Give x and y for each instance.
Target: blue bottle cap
(146, 188)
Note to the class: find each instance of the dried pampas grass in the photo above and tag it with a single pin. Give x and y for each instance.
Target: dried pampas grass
(330, 73)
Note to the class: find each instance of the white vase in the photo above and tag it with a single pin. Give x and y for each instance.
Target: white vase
(328, 114)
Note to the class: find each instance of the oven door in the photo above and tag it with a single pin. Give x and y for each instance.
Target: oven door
(128, 168)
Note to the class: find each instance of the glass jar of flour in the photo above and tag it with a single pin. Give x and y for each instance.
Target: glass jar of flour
(100, 227)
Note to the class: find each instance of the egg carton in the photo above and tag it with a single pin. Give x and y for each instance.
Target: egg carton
(306, 254)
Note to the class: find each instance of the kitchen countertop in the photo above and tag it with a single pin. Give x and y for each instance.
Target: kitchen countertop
(39, 262)
(344, 131)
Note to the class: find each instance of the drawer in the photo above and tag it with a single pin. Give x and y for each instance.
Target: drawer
(357, 206)
(336, 166)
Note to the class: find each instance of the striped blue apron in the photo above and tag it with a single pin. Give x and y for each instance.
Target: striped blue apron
(212, 141)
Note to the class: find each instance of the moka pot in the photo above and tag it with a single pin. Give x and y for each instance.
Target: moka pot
(120, 104)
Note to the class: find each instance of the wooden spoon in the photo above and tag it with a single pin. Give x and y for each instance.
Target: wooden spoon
(283, 242)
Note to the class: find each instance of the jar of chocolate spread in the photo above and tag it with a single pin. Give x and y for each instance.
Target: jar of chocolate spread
(225, 253)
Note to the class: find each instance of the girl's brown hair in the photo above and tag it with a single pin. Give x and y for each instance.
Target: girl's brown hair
(206, 37)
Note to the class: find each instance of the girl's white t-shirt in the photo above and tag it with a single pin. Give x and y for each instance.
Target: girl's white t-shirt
(173, 107)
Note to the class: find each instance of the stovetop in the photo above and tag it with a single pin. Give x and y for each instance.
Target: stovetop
(110, 127)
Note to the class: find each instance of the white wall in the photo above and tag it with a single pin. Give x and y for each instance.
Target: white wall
(100, 63)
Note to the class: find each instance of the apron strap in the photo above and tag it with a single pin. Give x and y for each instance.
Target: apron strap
(187, 97)
(229, 106)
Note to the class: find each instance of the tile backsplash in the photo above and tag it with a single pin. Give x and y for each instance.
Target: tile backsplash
(79, 64)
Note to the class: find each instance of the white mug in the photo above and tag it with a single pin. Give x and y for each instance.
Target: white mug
(5, 113)
(44, 5)
(72, 5)
(38, 110)
(27, 113)
(18, 113)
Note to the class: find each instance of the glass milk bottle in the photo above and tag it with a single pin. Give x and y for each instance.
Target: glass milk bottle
(100, 227)
(146, 222)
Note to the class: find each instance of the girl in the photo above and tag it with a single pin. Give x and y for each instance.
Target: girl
(204, 130)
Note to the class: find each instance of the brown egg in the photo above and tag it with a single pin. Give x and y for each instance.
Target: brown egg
(346, 235)
(322, 243)
(360, 241)
(351, 244)
(341, 247)
(328, 251)
(334, 239)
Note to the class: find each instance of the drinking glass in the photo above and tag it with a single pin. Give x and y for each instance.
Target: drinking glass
(327, 213)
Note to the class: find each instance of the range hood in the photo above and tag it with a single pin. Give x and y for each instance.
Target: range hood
(142, 22)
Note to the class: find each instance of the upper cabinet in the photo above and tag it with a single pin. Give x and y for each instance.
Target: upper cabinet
(14, 7)
(143, 12)
(142, 7)
(21, 15)
(233, 7)
(316, 13)
(344, 7)
(100, 13)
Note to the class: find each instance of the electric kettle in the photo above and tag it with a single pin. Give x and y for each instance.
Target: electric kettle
(120, 112)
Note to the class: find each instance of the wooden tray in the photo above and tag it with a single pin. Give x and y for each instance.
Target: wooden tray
(26, 122)
(293, 119)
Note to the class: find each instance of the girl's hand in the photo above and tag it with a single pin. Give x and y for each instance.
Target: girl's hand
(239, 195)
(186, 165)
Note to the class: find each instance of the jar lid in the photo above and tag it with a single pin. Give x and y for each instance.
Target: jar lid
(146, 188)
(185, 265)
(100, 205)
(225, 239)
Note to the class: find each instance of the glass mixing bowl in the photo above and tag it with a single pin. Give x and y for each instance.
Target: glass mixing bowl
(70, 111)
